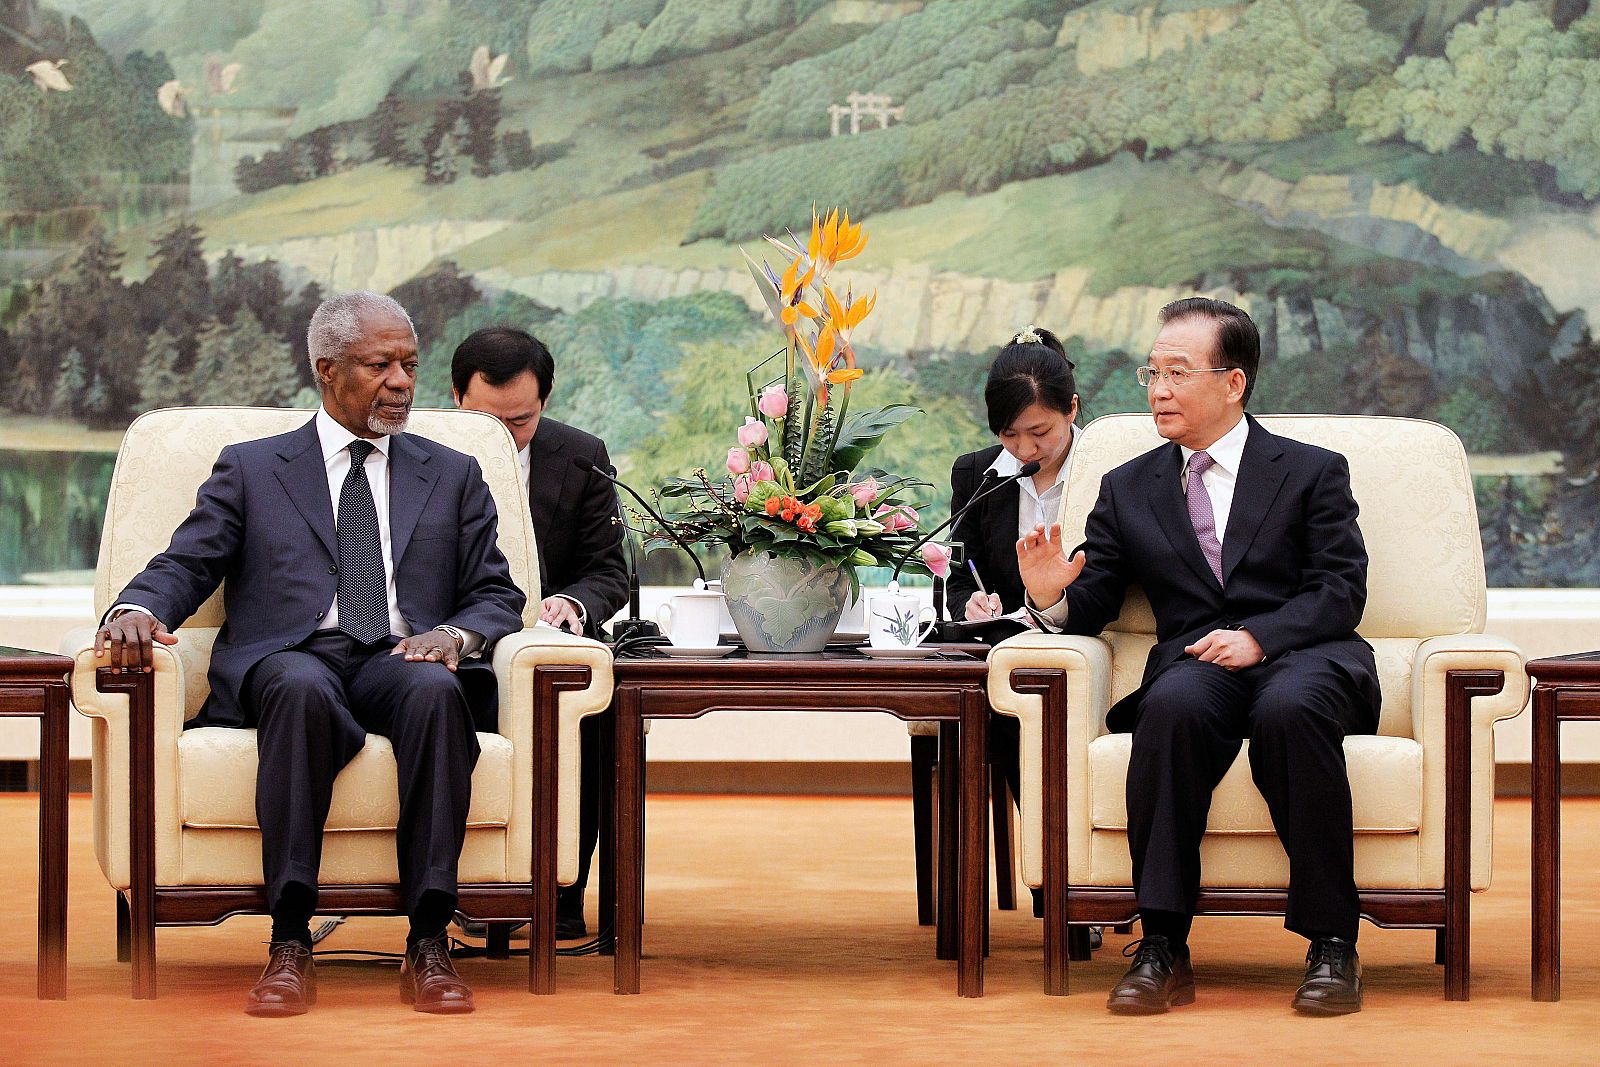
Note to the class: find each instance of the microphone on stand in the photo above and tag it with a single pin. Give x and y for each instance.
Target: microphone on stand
(633, 627)
(1027, 470)
(584, 464)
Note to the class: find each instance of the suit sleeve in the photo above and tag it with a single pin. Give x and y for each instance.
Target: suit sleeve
(1333, 589)
(203, 551)
(1095, 599)
(487, 602)
(959, 587)
(602, 582)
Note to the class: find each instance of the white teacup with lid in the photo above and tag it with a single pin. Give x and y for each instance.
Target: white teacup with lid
(692, 619)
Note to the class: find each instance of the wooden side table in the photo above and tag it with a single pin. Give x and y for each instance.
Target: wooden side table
(34, 684)
(1565, 689)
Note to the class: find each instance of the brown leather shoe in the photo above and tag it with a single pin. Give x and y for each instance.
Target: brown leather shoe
(288, 984)
(1160, 978)
(429, 982)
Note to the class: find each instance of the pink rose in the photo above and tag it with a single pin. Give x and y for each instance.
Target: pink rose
(865, 492)
(896, 517)
(937, 557)
(761, 471)
(773, 402)
(753, 433)
(738, 461)
(741, 488)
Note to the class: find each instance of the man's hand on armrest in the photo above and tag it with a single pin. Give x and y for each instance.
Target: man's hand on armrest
(128, 638)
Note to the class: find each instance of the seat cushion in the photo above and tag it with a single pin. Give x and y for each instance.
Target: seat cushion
(217, 783)
(1385, 786)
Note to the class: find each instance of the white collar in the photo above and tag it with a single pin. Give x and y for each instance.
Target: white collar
(1226, 451)
(1005, 464)
(336, 438)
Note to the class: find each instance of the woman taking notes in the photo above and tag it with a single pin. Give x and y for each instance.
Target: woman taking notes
(1033, 403)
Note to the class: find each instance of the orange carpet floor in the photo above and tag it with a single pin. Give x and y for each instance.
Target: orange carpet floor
(783, 930)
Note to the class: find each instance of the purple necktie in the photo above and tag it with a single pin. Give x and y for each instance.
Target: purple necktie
(1201, 515)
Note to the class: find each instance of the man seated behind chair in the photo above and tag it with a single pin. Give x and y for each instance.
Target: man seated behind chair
(1247, 546)
(509, 373)
(363, 579)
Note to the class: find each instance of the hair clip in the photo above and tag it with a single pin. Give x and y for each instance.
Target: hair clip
(1029, 336)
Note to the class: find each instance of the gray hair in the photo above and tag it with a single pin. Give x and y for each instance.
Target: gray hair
(336, 323)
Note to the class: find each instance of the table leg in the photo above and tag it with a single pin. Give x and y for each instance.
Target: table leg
(546, 757)
(1546, 845)
(52, 963)
(947, 898)
(628, 834)
(608, 848)
(974, 858)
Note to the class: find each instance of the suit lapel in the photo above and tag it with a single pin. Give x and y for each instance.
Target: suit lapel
(548, 471)
(410, 484)
(1172, 513)
(1260, 477)
(304, 478)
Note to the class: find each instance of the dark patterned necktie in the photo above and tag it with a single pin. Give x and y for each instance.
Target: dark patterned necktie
(363, 588)
(1200, 513)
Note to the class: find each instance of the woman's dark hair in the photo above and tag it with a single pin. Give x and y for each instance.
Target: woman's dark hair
(1031, 368)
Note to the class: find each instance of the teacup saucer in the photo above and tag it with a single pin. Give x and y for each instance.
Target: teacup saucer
(919, 652)
(686, 652)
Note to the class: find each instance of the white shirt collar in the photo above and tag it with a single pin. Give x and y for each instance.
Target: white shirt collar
(525, 460)
(335, 438)
(1005, 464)
(1228, 450)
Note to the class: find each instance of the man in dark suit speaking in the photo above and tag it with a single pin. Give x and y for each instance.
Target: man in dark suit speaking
(509, 373)
(1247, 546)
(363, 585)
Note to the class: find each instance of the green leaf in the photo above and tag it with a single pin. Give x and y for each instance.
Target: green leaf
(862, 431)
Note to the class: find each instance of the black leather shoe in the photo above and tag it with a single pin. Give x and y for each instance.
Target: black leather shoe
(429, 982)
(1160, 978)
(1333, 979)
(571, 927)
(288, 984)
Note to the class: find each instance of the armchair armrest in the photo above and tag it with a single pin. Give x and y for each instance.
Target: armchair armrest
(1436, 659)
(516, 660)
(1087, 663)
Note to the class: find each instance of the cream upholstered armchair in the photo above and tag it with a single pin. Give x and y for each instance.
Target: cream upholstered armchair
(1422, 787)
(174, 811)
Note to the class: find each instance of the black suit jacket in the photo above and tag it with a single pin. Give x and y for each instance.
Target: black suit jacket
(580, 548)
(263, 524)
(989, 534)
(1294, 568)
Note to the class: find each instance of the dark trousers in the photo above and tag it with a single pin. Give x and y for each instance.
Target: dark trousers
(569, 898)
(1295, 711)
(313, 706)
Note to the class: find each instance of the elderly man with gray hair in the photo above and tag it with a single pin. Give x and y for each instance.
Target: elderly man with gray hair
(363, 583)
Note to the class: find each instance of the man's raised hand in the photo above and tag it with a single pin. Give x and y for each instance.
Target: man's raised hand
(1044, 565)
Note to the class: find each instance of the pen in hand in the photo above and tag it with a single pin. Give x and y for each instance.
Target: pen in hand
(973, 567)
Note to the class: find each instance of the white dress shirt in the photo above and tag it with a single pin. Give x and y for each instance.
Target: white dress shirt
(1219, 480)
(1033, 507)
(525, 466)
(335, 441)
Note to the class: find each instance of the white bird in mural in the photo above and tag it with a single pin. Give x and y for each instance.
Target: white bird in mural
(170, 97)
(47, 75)
(219, 78)
(487, 73)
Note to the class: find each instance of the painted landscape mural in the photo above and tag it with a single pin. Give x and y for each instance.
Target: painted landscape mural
(1406, 196)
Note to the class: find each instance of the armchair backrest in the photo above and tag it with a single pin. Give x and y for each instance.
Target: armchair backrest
(1425, 575)
(166, 455)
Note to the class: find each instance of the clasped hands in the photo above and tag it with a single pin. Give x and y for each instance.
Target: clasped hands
(128, 642)
(1047, 571)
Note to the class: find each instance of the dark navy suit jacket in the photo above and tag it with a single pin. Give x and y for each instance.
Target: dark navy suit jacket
(263, 525)
(1294, 567)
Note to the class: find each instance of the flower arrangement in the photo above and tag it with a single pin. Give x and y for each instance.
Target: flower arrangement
(794, 482)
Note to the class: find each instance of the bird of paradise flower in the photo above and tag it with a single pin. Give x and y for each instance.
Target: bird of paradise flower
(817, 328)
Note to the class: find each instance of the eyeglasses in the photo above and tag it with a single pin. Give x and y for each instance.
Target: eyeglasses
(1177, 377)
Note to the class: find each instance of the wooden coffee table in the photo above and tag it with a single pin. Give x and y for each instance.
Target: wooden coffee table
(1565, 689)
(34, 685)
